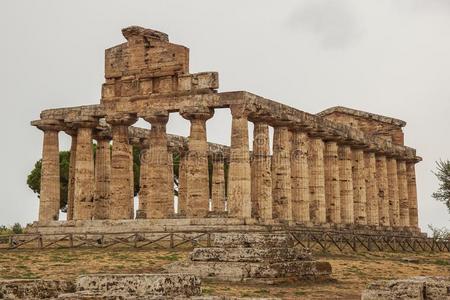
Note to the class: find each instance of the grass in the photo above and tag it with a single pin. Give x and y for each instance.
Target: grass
(351, 271)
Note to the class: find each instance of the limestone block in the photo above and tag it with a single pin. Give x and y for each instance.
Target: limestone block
(257, 240)
(249, 254)
(245, 271)
(417, 288)
(31, 289)
(141, 285)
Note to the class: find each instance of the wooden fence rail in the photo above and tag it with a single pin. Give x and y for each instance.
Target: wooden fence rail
(316, 240)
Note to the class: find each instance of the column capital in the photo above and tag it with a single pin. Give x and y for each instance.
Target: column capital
(240, 110)
(154, 116)
(121, 118)
(197, 113)
(48, 125)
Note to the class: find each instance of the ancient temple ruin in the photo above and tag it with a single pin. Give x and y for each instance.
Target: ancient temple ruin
(341, 168)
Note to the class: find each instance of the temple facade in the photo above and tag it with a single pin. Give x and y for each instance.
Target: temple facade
(342, 167)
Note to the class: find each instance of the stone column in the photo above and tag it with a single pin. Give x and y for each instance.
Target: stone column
(121, 158)
(170, 178)
(332, 183)
(371, 188)
(84, 187)
(218, 183)
(102, 178)
(281, 174)
(182, 173)
(300, 177)
(412, 194)
(346, 184)
(317, 181)
(239, 182)
(403, 193)
(197, 182)
(261, 173)
(383, 191)
(131, 172)
(71, 181)
(160, 197)
(50, 182)
(359, 187)
(394, 208)
(141, 213)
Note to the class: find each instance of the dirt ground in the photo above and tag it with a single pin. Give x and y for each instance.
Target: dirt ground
(351, 272)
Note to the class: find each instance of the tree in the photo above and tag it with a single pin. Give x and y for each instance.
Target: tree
(443, 175)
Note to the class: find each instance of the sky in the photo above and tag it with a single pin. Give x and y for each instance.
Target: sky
(386, 57)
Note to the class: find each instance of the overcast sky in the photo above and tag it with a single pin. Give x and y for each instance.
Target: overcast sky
(387, 57)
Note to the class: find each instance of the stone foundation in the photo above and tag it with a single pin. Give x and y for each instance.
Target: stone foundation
(252, 257)
(417, 288)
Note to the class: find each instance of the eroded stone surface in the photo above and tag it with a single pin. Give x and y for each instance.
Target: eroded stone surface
(249, 254)
(34, 288)
(141, 285)
(417, 288)
(256, 240)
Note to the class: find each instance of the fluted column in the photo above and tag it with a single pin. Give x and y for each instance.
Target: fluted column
(182, 178)
(121, 159)
(300, 177)
(160, 197)
(383, 190)
(84, 187)
(170, 179)
(412, 194)
(218, 183)
(281, 174)
(359, 187)
(332, 183)
(371, 188)
(143, 196)
(197, 182)
(403, 193)
(317, 181)
(71, 180)
(394, 208)
(346, 184)
(50, 182)
(239, 182)
(261, 173)
(102, 178)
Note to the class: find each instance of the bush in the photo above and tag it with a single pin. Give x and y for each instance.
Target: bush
(439, 233)
(15, 229)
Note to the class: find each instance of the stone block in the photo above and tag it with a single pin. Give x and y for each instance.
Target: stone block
(245, 271)
(141, 285)
(249, 254)
(34, 288)
(417, 288)
(253, 240)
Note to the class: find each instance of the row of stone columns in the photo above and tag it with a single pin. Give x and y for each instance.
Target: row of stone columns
(307, 179)
(324, 181)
